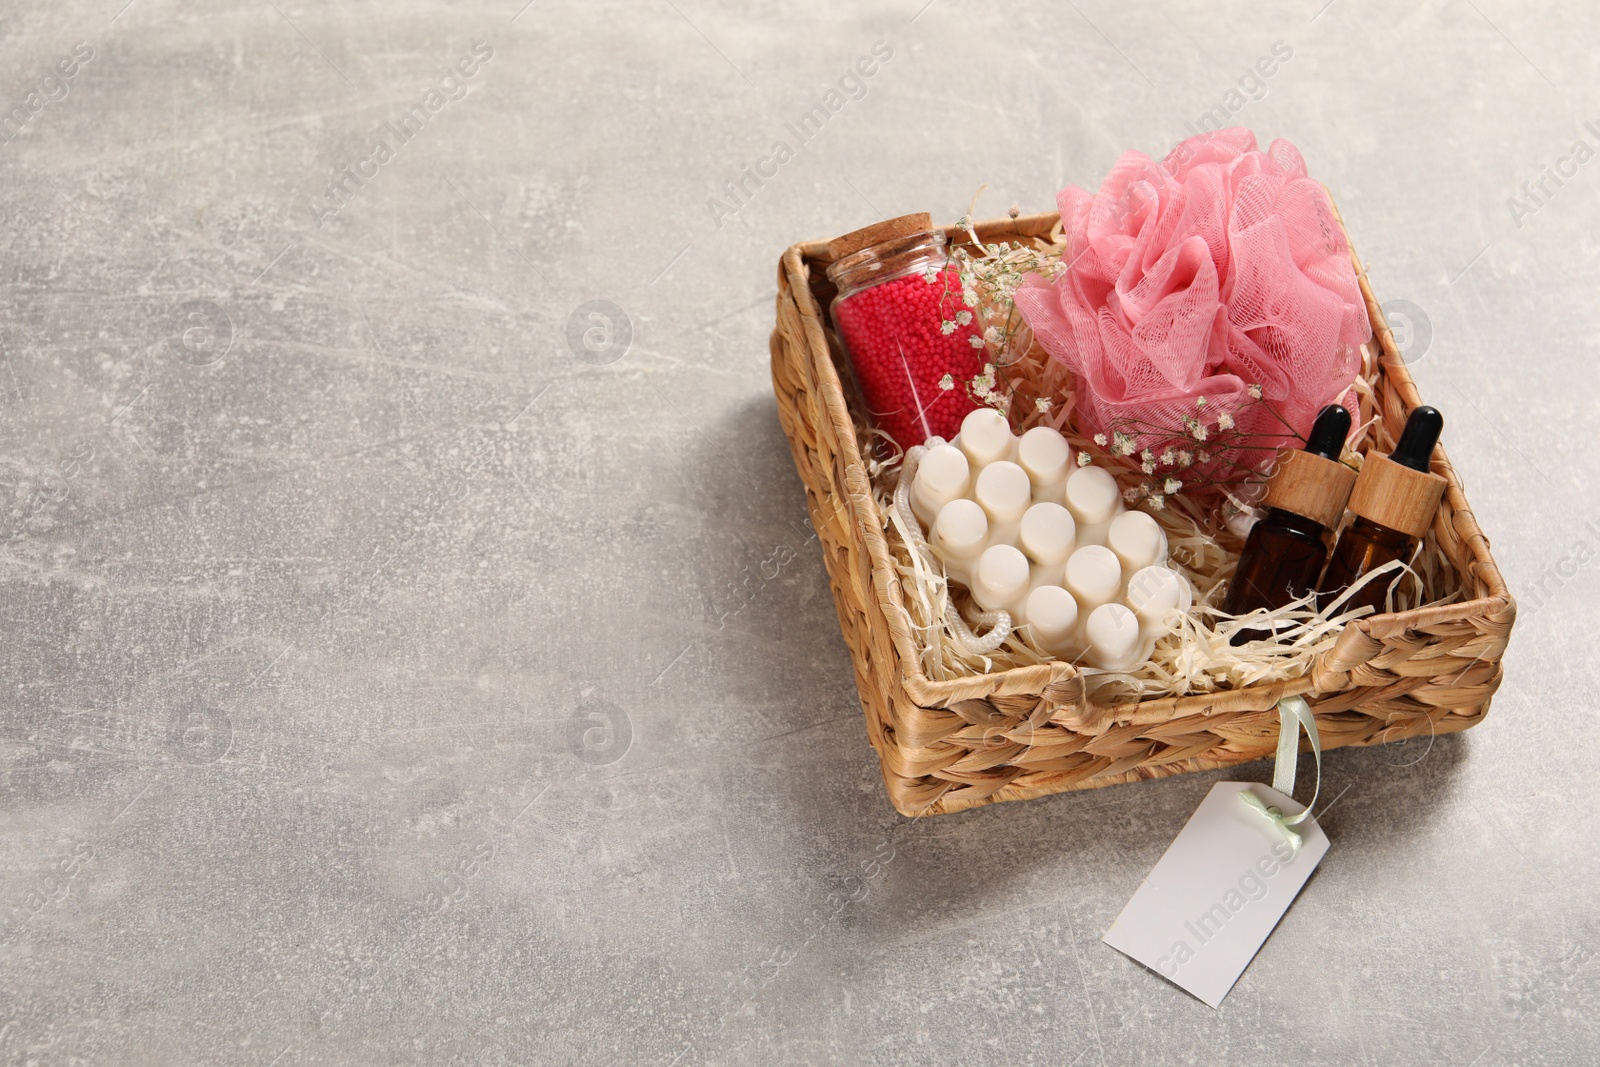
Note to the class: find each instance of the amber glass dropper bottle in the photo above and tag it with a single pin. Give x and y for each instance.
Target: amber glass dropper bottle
(1394, 502)
(1287, 547)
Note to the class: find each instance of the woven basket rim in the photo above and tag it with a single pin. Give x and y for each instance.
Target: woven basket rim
(803, 256)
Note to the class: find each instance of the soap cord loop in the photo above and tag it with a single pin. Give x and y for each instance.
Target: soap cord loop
(1294, 714)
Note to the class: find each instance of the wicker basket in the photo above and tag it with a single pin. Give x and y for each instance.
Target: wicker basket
(1031, 731)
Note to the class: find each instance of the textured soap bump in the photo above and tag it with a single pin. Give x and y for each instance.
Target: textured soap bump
(1044, 454)
(943, 475)
(1052, 616)
(986, 437)
(1154, 592)
(1000, 582)
(961, 533)
(1003, 491)
(1094, 500)
(1048, 534)
(1138, 541)
(1093, 576)
(1114, 639)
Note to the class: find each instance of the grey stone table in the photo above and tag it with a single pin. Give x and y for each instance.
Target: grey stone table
(412, 649)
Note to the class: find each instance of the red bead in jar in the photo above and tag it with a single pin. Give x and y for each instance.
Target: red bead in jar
(898, 294)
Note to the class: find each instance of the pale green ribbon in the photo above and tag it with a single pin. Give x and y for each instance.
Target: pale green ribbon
(1293, 714)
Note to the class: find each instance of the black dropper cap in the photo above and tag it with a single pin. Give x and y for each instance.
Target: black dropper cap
(1329, 431)
(1418, 438)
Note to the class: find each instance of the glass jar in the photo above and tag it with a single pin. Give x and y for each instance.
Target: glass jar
(911, 336)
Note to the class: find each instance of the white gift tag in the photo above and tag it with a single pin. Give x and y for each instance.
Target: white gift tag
(1205, 910)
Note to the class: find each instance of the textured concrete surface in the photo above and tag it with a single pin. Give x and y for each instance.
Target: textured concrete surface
(400, 664)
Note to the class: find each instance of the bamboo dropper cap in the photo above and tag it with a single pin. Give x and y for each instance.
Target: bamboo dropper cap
(1313, 483)
(1398, 491)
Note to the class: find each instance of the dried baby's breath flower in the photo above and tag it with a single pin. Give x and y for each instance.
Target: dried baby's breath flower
(947, 383)
(1230, 454)
(989, 273)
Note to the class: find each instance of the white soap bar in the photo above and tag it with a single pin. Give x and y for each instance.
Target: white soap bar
(1113, 638)
(1044, 454)
(1000, 581)
(1004, 492)
(1093, 577)
(1048, 533)
(1029, 532)
(1052, 619)
(1138, 541)
(986, 437)
(961, 533)
(1093, 498)
(943, 475)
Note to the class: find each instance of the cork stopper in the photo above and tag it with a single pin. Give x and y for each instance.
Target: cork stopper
(879, 232)
(1394, 495)
(1312, 487)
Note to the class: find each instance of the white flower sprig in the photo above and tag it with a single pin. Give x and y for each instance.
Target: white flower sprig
(1203, 451)
(990, 275)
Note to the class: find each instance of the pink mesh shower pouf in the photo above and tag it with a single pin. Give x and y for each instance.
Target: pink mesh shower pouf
(1217, 269)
